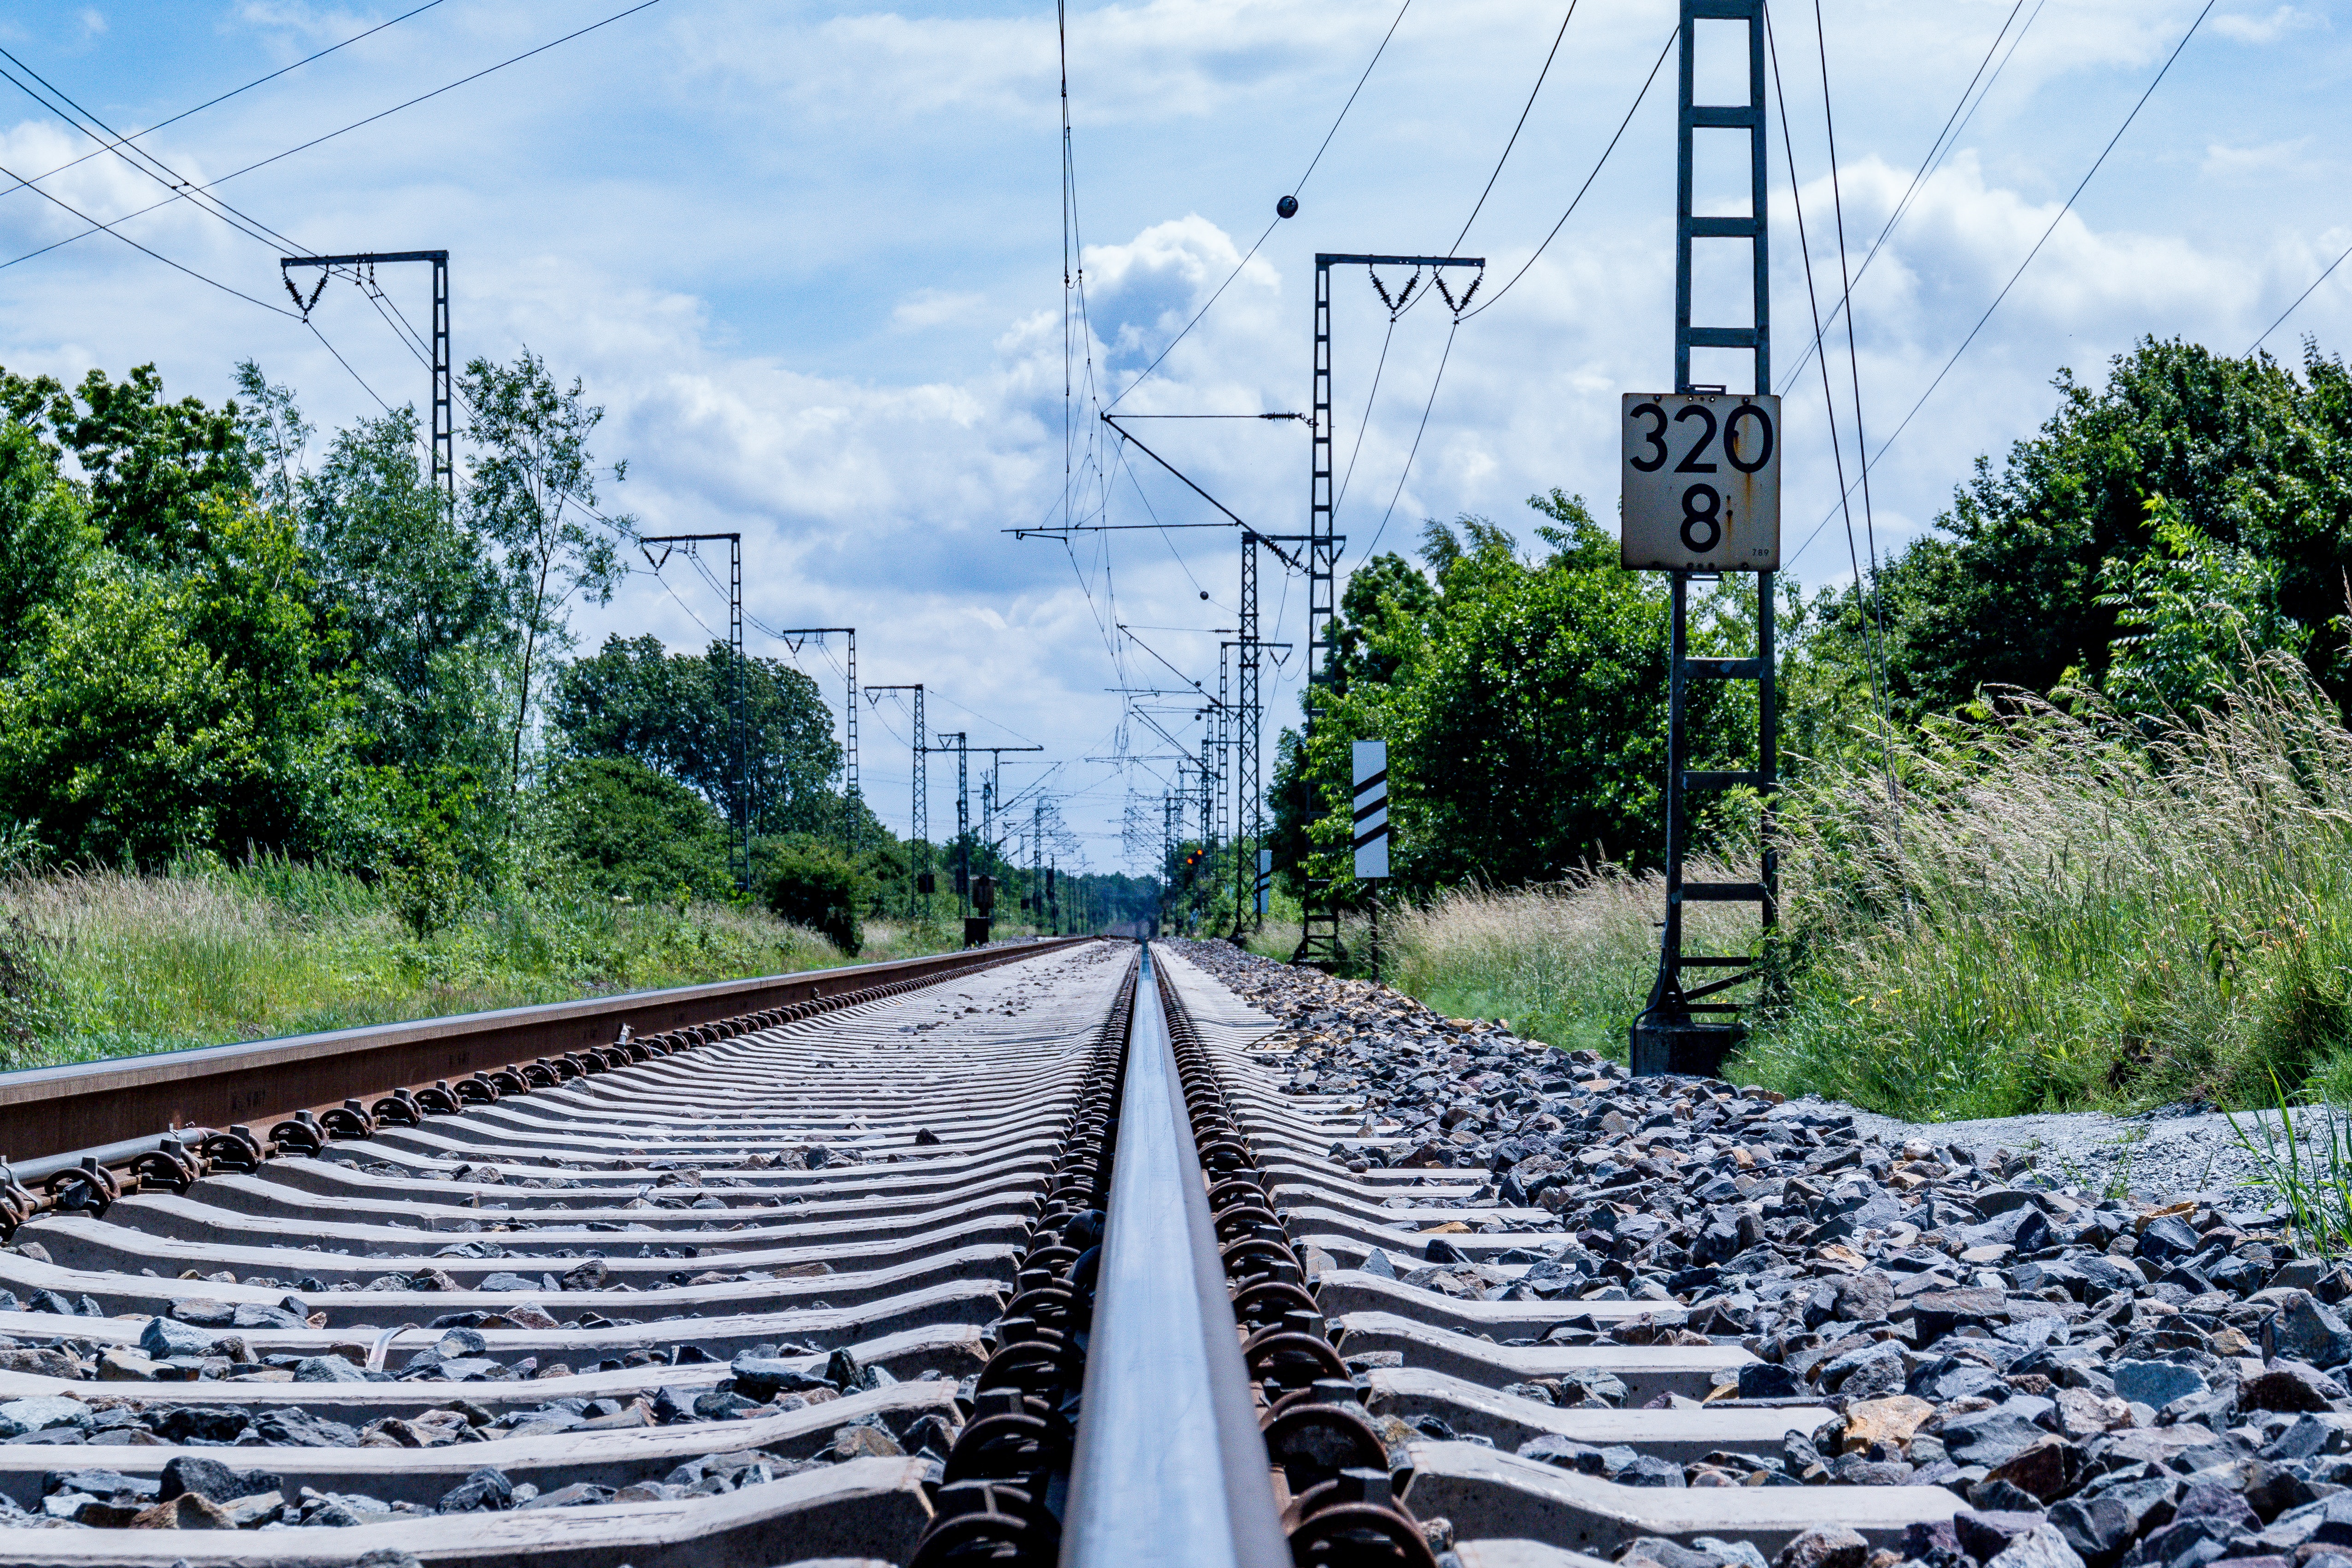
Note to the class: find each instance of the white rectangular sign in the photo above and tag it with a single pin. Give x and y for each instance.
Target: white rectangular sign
(1371, 759)
(1701, 482)
(1265, 878)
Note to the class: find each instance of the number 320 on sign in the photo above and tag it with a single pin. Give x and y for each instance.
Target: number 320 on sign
(1702, 482)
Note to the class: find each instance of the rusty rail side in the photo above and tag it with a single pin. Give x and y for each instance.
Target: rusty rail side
(55, 1110)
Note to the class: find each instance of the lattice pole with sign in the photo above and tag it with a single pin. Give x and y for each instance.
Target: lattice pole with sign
(1701, 474)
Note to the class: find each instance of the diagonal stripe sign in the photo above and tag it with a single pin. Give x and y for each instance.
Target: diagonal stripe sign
(1371, 838)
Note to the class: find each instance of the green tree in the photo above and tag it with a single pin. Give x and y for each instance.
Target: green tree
(2192, 616)
(421, 597)
(44, 533)
(155, 711)
(634, 831)
(1523, 701)
(2017, 588)
(155, 470)
(673, 712)
(533, 492)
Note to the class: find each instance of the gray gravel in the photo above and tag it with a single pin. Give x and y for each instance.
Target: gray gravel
(2155, 1155)
(2034, 1312)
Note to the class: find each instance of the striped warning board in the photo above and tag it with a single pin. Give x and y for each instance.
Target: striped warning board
(1371, 809)
(1265, 877)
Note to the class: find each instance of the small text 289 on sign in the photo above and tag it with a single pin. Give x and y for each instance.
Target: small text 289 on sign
(1702, 482)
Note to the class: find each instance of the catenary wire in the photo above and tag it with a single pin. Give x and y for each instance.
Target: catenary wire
(1945, 141)
(1884, 446)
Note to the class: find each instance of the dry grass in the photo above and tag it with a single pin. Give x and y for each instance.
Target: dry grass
(1570, 962)
(109, 964)
(2063, 907)
(2059, 908)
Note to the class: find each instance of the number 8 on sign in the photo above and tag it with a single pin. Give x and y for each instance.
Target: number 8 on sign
(1702, 482)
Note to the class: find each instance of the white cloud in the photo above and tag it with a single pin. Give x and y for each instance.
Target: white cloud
(2248, 29)
(810, 259)
(2226, 163)
(92, 22)
(927, 307)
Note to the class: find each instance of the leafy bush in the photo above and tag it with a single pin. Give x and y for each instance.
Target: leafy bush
(816, 886)
(632, 832)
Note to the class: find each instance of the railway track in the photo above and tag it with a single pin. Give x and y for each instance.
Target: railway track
(1022, 1258)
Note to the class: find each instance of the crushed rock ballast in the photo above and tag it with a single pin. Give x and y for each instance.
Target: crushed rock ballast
(2107, 1380)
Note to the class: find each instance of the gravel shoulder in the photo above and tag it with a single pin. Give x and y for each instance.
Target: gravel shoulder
(2157, 1155)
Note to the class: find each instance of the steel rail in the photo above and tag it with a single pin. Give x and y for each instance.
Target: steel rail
(1169, 1470)
(89, 1107)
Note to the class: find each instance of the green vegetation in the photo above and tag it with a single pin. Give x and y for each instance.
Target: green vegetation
(2095, 852)
(292, 738)
(2063, 907)
(2304, 1155)
(101, 963)
(822, 890)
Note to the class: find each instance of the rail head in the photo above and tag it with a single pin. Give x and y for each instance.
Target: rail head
(1170, 1469)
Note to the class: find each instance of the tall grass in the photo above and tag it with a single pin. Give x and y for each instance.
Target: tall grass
(2302, 1155)
(97, 964)
(2056, 907)
(1569, 963)
(2066, 906)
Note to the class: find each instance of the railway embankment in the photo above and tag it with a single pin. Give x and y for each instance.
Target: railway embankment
(2089, 1331)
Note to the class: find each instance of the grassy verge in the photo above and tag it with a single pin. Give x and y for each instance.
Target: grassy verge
(2070, 908)
(101, 963)
(1568, 962)
(2055, 909)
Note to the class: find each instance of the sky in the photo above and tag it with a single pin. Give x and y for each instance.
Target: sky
(810, 260)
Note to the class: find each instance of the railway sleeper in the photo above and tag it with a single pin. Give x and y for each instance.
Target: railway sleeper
(910, 1364)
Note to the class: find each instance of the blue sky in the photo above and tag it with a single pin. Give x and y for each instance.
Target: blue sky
(810, 259)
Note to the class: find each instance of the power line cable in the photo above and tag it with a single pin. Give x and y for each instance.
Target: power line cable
(24, 183)
(1874, 625)
(1852, 350)
(1945, 141)
(2298, 301)
(1495, 298)
(1297, 186)
(1435, 381)
(1875, 458)
(233, 93)
(64, 108)
(317, 140)
(1525, 109)
(1365, 423)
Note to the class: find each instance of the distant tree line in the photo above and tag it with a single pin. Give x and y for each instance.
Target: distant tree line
(219, 634)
